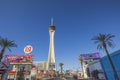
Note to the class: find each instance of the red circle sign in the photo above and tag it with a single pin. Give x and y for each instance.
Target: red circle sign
(28, 49)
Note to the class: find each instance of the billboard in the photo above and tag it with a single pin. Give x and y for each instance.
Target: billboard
(15, 58)
(91, 56)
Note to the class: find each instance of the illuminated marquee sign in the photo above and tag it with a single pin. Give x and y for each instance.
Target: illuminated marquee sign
(14, 58)
(91, 56)
(28, 49)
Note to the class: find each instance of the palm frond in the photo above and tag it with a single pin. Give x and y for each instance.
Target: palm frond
(110, 44)
(61, 64)
(4, 42)
(95, 38)
(9, 49)
(109, 37)
(103, 40)
(99, 47)
(12, 44)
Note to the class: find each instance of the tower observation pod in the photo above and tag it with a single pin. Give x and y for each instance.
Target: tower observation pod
(51, 55)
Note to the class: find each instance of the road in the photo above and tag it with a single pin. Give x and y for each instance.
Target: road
(67, 78)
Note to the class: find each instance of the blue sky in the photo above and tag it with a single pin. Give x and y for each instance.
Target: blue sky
(77, 21)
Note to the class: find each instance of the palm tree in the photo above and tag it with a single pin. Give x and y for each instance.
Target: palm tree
(5, 44)
(104, 41)
(61, 67)
(88, 71)
(81, 62)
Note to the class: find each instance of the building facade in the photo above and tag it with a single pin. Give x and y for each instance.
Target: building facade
(115, 56)
(96, 65)
(87, 59)
(21, 66)
(42, 65)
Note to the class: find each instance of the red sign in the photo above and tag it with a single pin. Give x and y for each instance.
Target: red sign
(12, 72)
(28, 49)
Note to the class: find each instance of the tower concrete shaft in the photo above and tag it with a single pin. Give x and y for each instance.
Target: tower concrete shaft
(51, 56)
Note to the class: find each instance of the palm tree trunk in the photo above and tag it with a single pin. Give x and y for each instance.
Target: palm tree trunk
(1, 53)
(61, 73)
(61, 69)
(82, 69)
(112, 65)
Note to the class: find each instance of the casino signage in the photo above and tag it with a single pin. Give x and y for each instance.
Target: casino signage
(28, 49)
(91, 56)
(14, 58)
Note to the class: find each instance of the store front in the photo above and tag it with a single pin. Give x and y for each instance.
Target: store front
(21, 66)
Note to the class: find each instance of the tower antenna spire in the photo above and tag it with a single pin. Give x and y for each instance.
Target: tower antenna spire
(51, 21)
